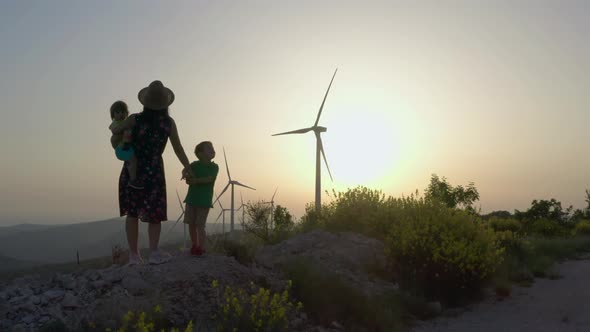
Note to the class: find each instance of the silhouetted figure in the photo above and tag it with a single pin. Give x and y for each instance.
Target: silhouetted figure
(122, 142)
(151, 130)
(199, 197)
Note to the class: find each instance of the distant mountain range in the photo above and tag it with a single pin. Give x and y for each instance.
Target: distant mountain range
(30, 244)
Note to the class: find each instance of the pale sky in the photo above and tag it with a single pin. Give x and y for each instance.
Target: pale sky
(493, 92)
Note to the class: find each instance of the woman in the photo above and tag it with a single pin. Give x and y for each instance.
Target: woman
(151, 130)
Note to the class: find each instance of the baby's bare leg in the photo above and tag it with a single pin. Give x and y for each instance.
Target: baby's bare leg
(132, 168)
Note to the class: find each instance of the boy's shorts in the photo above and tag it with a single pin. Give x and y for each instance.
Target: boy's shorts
(196, 215)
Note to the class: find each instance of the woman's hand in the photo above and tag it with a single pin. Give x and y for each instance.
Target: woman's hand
(187, 173)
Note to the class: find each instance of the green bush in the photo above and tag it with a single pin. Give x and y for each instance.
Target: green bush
(441, 252)
(327, 298)
(505, 224)
(582, 228)
(546, 227)
(254, 309)
(509, 240)
(361, 210)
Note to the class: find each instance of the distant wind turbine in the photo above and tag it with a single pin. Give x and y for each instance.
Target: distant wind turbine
(272, 205)
(232, 183)
(319, 149)
(242, 207)
(222, 214)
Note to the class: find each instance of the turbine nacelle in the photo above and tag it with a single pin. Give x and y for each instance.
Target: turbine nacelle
(320, 129)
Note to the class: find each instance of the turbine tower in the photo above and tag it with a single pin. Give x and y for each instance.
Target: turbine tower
(319, 149)
(272, 205)
(222, 213)
(232, 183)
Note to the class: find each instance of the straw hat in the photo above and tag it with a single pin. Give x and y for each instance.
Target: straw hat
(156, 96)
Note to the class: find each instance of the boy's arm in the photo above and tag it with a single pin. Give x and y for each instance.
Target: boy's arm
(202, 180)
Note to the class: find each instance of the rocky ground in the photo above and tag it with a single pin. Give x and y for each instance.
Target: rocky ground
(181, 287)
(561, 305)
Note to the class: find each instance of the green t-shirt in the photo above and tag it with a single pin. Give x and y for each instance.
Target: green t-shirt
(202, 194)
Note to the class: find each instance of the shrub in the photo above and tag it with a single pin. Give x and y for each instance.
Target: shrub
(505, 224)
(441, 252)
(327, 298)
(266, 228)
(361, 210)
(144, 321)
(546, 227)
(582, 228)
(509, 240)
(243, 252)
(256, 310)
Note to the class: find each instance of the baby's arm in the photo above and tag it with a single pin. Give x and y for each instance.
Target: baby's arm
(124, 125)
(115, 140)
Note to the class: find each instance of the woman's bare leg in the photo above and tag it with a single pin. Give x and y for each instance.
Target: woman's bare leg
(132, 230)
(154, 235)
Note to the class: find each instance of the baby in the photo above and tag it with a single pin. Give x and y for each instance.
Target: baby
(122, 142)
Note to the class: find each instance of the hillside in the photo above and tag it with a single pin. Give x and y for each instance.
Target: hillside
(9, 264)
(9, 230)
(59, 244)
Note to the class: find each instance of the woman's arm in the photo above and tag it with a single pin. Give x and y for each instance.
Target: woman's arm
(177, 146)
(126, 124)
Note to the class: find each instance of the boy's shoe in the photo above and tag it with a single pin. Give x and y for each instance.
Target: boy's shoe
(158, 257)
(197, 251)
(134, 259)
(135, 185)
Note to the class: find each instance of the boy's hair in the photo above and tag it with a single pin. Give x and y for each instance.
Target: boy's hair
(119, 105)
(201, 146)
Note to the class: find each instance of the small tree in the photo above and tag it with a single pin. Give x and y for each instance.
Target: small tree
(283, 224)
(453, 197)
(257, 220)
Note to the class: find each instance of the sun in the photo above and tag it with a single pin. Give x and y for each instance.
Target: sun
(361, 149)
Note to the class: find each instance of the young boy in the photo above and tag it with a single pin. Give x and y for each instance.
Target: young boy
(199, 198)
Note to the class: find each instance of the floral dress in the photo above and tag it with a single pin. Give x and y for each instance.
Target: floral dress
(149, 141)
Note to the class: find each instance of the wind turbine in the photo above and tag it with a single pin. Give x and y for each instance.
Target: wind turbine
(319, 149)
(222, 214)
(232, 183)
(272, 205)
(242, 207)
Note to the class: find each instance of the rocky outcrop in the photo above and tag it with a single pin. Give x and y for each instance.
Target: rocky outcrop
(352, 256)
(182, 287)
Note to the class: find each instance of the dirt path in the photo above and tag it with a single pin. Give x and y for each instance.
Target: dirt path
(549, 305)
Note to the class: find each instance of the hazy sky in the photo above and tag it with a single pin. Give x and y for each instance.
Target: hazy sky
(494, 92)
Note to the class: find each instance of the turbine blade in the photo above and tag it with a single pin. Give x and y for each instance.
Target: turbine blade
(179, 201)
(323, 101)
(219, 216)
(324, 155)
(223, 191)
(273, 195)
(243, 185)
(298, 131)
(226, 167)
(241, 199)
